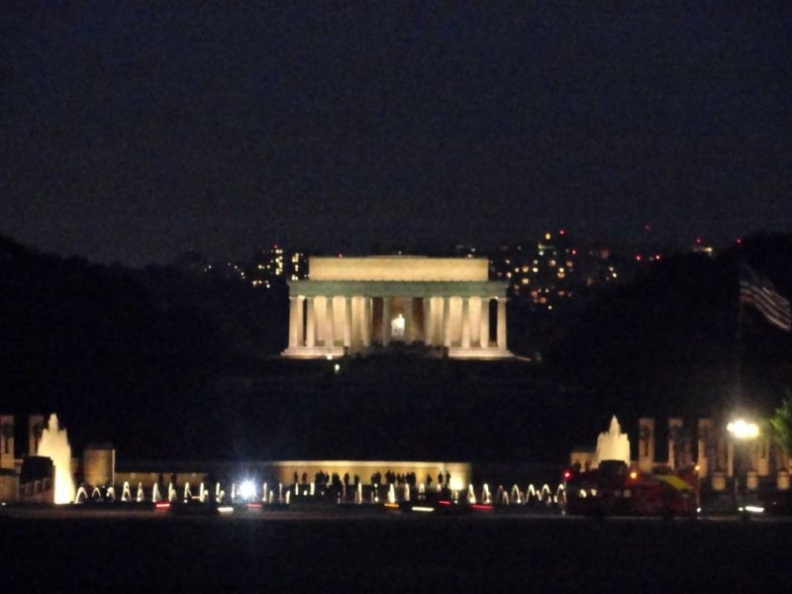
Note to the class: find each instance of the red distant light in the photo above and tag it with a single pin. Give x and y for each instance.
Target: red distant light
(739, 240)
(162, 505)
(638, 258)
(444, 502)
(567, 475)
(482, 506)
(254, 506)
(562, 232)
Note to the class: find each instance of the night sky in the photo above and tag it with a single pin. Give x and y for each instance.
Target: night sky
(135, 133)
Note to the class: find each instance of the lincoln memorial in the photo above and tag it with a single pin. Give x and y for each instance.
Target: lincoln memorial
(353, 305)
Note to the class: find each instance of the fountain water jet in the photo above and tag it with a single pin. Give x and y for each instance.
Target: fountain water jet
(54, 444)
(612, 445)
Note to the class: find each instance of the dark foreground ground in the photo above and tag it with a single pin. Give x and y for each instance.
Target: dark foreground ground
(375, 552)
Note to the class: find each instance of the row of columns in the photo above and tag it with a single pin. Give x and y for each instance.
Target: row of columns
(314, 321)
(712, 450)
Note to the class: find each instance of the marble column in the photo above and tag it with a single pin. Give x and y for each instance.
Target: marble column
(428, 321)
(310, 330)
(446, 321)
(386, 321)
(706, 438)
(329, 323)
(502, 323)
(296, 321)
(465, 322)
(485, 329)
(367, 321)
(646, 444)
(347, 317)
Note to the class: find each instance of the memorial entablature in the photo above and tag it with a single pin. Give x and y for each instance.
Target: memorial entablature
(353, 305)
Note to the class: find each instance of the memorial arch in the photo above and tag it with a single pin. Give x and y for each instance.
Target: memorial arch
(355, 304)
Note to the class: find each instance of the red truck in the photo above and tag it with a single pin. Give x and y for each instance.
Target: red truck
(613, 489)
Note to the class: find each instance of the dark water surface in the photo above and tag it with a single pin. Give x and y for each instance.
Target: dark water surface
(374, 552)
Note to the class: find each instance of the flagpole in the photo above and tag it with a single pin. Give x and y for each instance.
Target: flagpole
(738, 338)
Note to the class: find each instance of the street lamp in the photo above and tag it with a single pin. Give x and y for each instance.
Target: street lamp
(742, 431)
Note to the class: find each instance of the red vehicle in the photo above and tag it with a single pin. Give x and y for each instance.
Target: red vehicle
(615, 490)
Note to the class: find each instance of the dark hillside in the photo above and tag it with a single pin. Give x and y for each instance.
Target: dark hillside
(667, 343)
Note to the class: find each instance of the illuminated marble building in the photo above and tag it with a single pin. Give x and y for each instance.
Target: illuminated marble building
(356, 304)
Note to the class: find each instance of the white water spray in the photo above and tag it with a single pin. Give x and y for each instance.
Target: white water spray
(613, 444)
(55, 445)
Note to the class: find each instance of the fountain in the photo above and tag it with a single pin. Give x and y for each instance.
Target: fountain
(516, 495)
(155, 494)
(54, 444)
(612, 445)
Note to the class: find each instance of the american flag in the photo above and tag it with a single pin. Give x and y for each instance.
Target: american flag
(758, 292)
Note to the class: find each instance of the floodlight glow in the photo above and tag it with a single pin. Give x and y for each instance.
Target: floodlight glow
(247, 490)
(742, 429)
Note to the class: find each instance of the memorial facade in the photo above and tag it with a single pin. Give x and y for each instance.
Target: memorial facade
(353, 305)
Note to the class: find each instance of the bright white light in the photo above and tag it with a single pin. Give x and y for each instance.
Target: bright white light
(247, 490)
(754, 509)
(742, 429)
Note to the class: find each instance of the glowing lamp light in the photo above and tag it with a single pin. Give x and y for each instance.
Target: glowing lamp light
(742, 429)
(247, 490)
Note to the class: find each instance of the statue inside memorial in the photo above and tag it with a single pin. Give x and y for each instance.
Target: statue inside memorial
(398, 325)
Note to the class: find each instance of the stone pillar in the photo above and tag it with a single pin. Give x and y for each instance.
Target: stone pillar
(761, 451)
(446, 321)
(674, 441)
(367, 321)
(502, 323)
(705, 437)
(6, 441)
(357, 320)
(329, 330)
(465, 322)
(310, 330)
(485, 326)
(294, 315)
(35, 429)
(427, 321)
(386, 321)
(347, 315)
(646, 444)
